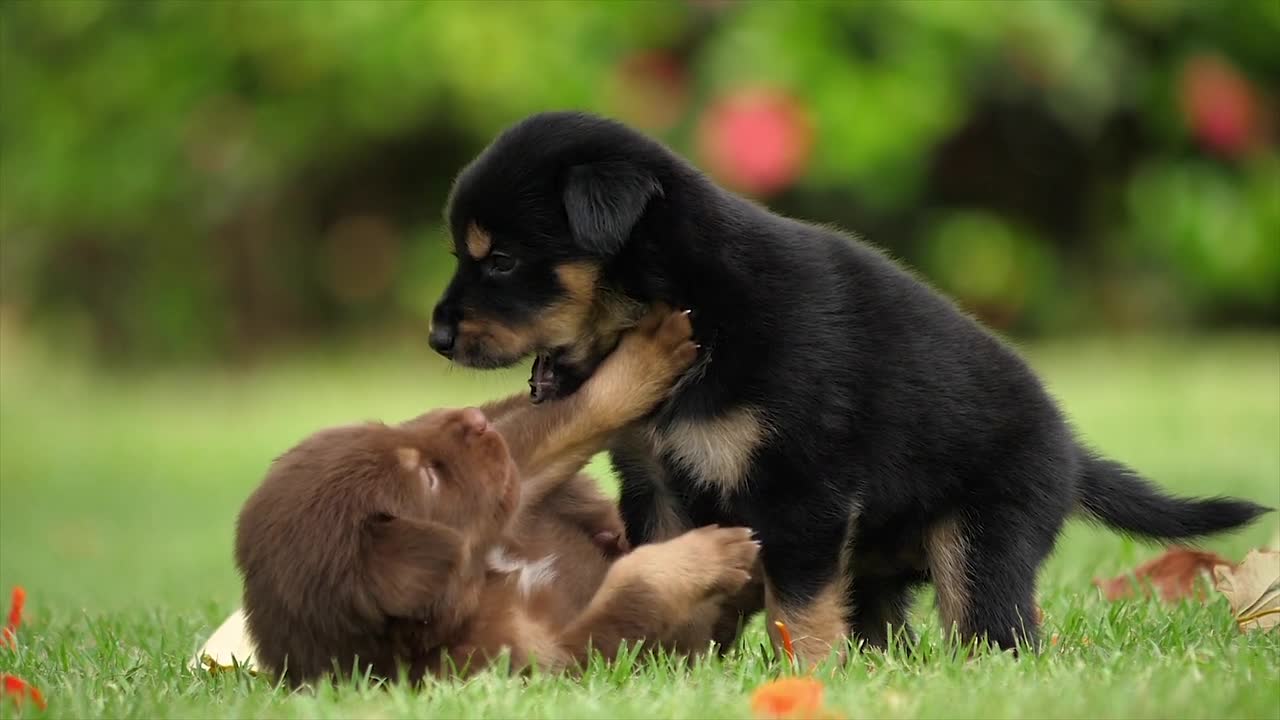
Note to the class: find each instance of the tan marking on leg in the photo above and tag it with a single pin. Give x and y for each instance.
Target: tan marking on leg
(947, 548)
(479, 242)
(817, 627)
(820, 625)
(718, 451)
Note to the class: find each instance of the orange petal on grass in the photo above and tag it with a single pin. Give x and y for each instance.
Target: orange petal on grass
(19, 690)
(785, 635)
(10, 635)
(791, 697)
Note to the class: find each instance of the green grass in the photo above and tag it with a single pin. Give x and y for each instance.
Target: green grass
(118, 497)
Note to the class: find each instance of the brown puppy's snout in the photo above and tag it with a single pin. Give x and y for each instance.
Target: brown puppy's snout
(474, 423)
(478, 438)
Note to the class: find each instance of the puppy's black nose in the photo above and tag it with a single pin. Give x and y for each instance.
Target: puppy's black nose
(442, 337)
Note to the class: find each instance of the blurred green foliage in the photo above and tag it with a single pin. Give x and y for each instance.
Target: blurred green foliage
(197, 179)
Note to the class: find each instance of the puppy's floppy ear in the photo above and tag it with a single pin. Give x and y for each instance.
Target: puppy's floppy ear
(411, 563)
(604, 200)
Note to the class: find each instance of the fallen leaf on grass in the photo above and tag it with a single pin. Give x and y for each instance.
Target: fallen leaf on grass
(1173, 575)
(230, 645)
(1253, 589)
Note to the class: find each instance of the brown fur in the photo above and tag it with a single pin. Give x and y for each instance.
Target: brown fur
(428, 546)
(946, 552)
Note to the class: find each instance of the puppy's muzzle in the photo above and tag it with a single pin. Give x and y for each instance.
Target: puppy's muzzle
(443, 336)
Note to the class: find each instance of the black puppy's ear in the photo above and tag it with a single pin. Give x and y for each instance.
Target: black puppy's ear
(411, 564)
(604, 201)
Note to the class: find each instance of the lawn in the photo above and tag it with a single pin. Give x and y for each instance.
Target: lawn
(118, 497)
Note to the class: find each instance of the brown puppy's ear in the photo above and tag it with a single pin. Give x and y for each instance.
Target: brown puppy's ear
(604, 201)
(411, 563)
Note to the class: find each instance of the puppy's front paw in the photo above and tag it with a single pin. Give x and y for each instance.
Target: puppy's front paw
(642, 370)
(664, 340)
(709, 562)
(726, 555)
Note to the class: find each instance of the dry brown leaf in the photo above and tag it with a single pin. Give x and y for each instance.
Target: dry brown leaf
(1253, 589)
(1173, 575)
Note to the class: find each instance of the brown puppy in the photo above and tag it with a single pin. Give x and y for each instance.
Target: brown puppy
(378, 547)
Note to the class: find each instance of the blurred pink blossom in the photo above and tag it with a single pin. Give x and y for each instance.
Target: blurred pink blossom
(756, 140)
(1219, 104)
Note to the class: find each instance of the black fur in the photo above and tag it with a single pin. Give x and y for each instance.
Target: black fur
(885, 402)
(604, 200)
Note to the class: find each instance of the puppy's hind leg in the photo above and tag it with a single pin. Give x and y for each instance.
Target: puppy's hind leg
(660, 589)
(984, 568)
(878, 608)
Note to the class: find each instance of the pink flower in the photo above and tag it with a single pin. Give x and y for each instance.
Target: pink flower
(1219, 104)
(756, 140)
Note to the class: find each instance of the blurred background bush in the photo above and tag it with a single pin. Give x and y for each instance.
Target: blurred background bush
(200, 181)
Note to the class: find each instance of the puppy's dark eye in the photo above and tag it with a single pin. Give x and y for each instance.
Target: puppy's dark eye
(381, 517)
(501, 264)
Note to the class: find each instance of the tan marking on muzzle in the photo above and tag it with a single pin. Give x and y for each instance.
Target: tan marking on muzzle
(495, 337)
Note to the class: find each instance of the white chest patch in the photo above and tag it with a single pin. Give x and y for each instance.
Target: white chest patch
(530, 575)
(718, 451)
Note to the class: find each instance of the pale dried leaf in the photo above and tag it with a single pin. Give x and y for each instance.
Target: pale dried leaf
(229, 645)
(1253, 589)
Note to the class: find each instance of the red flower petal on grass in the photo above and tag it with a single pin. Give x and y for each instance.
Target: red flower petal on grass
(19, 690)
(9, 637)
(791, 697)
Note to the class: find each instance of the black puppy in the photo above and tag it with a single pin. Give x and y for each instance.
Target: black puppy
(872, 433)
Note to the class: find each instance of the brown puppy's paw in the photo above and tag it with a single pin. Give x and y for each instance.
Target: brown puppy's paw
(700, 564)
(726, 556)
(665, 336)
(642, 370)
(674, 338)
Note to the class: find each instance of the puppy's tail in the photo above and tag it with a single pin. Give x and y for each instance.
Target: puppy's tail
(1125, 501)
